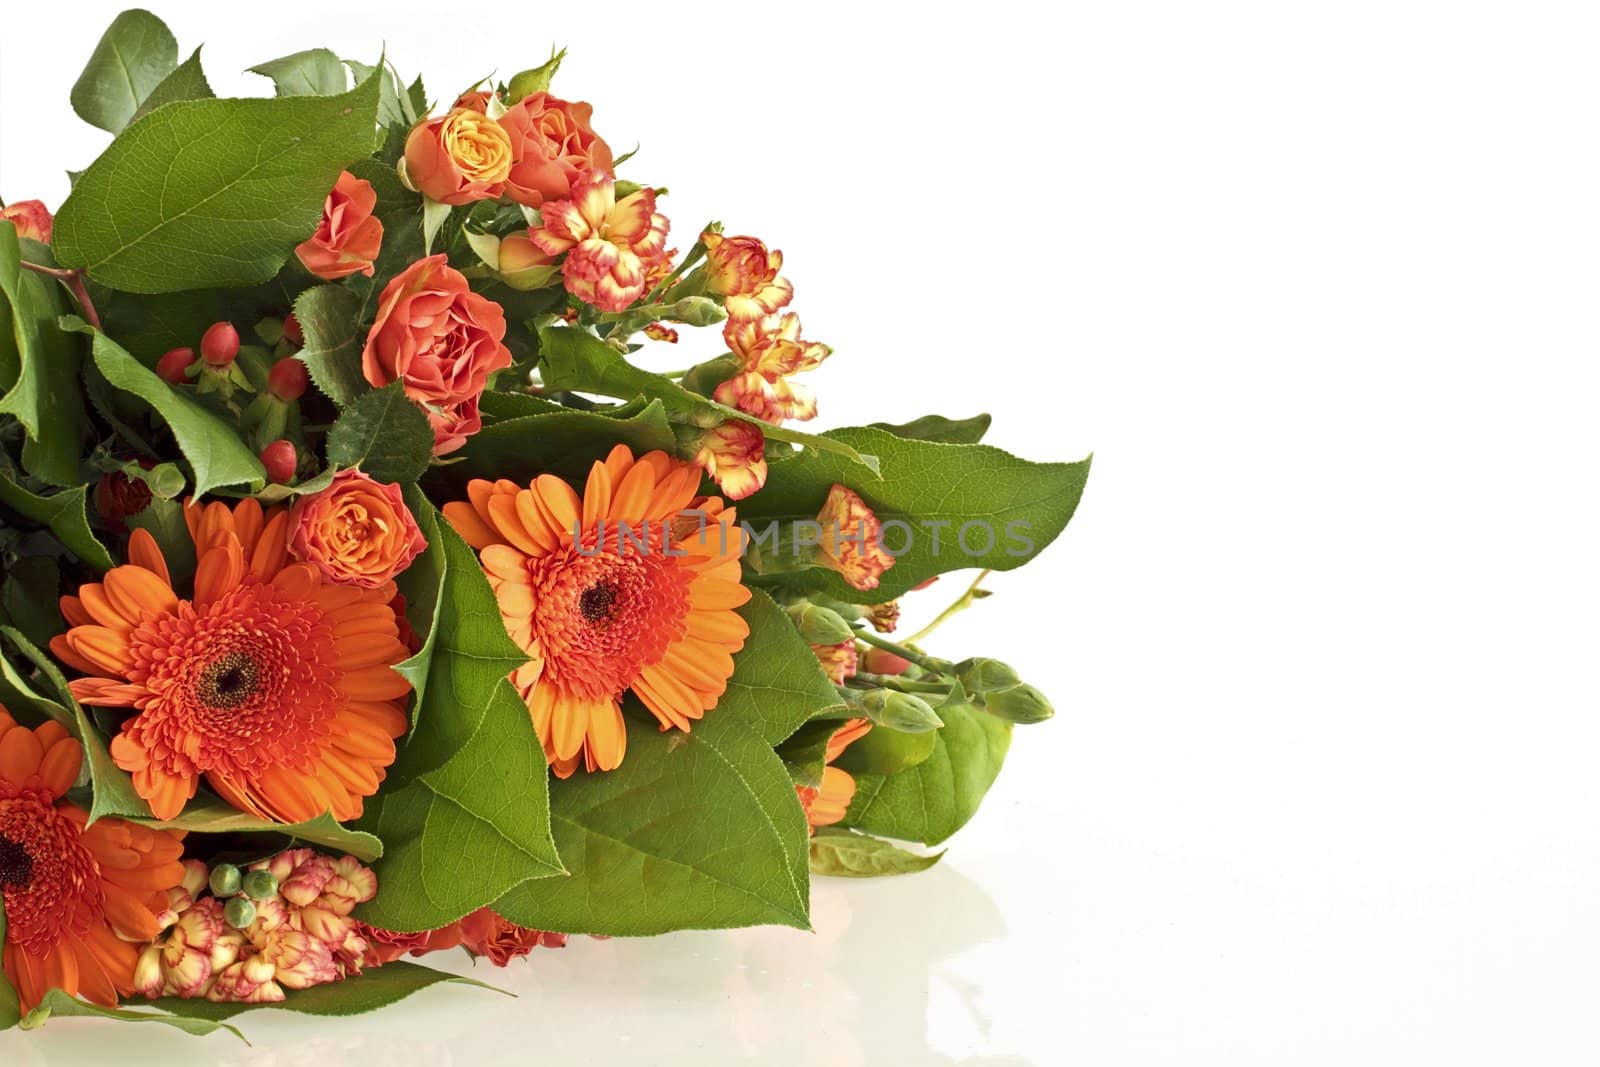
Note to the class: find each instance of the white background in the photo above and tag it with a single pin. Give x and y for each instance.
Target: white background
(1316, 283)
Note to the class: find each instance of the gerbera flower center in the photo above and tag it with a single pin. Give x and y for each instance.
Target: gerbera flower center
(16, 866)
(595, 603)
(228, 681)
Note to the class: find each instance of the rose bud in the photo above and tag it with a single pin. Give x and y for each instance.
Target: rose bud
(288, 380)
(31, 218)
(882, 661)
(280, 459)
(461, 157)
(220, 344)
(173, 367)
(349, 236)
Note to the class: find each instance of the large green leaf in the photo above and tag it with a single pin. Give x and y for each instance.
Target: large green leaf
(57, 1005)
(938, 428)
(45, 396)
(29, 596)
(151, 326)
(67, 515)
(207, 193)
(846, 854)
(215, 451)
(187, 82)
(696, 830)
(577, 360)
(384, 434)
(945, 506)
(134, 56)
(314, 72)
(934, 799)
(376, 988)
(206, 815)
(462, 835)
(423, 586)
(562, 442)
(333, 341)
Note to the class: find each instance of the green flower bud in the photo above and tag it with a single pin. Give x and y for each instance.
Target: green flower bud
(697, 311)
(1019, 704)
(260, 885)
(900, 711)
(983, 675)
(819, 626)
(536, 80)
(225, 880)
(239, 912)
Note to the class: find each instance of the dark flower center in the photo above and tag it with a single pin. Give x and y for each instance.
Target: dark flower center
(228, 681)
(16, 866)
(595, 602)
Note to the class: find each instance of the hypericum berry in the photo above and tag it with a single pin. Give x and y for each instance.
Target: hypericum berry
(260, 885)
(288, 379)
(225, 880)
(882, 661)
(239, 912)
(280, 459)
(291, 330)
(220, 344)
(171, 366)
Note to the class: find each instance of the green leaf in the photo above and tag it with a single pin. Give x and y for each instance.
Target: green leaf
(214, 449)
(376, 988)
(384, 434)
(694, 831)
(10, 1006)
(1015, 508)
(205, 815)
(333, 341)
(133, 57)
(576, 360)
(151, 326)
(938, 428)
(934, 799)
(459, 837)
(423, 586)
(45, 396)
(315, 72)
(847, 854)
(777, 683)
(57, 1005)
(400, 210)
(187, 82)
(165, 522)
(66, 514)
(113, 789)
(805, 752)
(212, 193)
(29, 596)
(563, 442)
(391, 111)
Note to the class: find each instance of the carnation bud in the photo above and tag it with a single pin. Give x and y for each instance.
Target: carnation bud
(1022, 704)
(225, 880)
(818, 625)
(900, 711)
(288, 379)
(239, 912)
(882, 661)
(703, 378)
(291, 331)
(280, 459)
(983, 675)
(173, 365)
(260, 885)
(697, 311)
(220, 344)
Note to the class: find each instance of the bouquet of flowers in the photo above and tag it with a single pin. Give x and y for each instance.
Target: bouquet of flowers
(362, 595)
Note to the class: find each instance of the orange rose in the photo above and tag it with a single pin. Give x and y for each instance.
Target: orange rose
(551, 144)
(348, 238)
(32, 219)
(462, 157)
(443, 341)
(356, 532)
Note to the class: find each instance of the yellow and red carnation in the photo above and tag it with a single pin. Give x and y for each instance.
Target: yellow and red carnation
(851, 541)
(552, 143)
(274, 685)
(442, 341)
(632, 586)
(349, 236)
(838, 661)
(77, 895)
(358, 531)
(31, 218)
(485, 933)
(745, 274)
(768, 351)
(611, 245)
(459, 157)
(826, 803)
(733, 454)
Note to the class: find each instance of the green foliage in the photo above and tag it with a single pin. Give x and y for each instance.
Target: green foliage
(384, 434)
(561, 441)
(44, 394)
(57, 1005)
(333, 341)
(844, 853)
(133, 58)
(28, 598)
(216, 453)
(208, 193)
(67, 515)
(377, 988)
(940, 429)
(187, 82)
(314, 72)
(165, 522)
(206, 815)
(935, 798)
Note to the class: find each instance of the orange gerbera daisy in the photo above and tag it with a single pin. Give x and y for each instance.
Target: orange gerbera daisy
(76, 895)
(275, 686)
(632, 586)
(827, 803)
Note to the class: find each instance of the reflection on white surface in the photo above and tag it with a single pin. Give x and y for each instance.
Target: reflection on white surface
(880, 982)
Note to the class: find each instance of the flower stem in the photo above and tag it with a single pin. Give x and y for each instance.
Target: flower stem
(963, 602)
(73, 280)
(927, 663)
